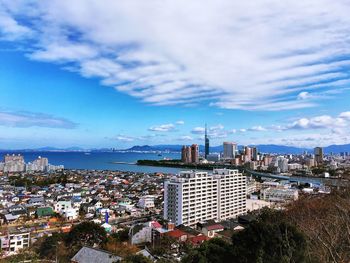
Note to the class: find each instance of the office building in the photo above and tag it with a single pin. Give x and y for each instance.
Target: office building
(318, 151)
(194, 196)
(194, 153)
(255, 156)
(206, 143)
(247, 153)
(230, 149)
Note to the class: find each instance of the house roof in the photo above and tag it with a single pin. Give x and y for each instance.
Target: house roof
(156, 224)
(88, 254)
(10, 217)
(215, 227)
(198, 239)
(176, 233)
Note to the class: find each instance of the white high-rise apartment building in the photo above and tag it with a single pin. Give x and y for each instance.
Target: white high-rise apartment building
(230, 149)
(194, 196)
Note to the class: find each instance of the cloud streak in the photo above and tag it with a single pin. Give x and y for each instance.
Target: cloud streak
(30, 119)
(269, 55)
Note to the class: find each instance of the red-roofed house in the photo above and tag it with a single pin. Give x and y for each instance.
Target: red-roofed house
(197, 240)
(178, 235)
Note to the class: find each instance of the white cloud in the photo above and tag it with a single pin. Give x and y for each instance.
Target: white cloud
(186, 138)
(216, 128)
(10, 29)
(303, 95)
(266, 55)
(311, 139)
(318, 122)
(124, 138)
(180, 122)
(257, 128)
(345, 115)
(163, 128)
(198, 130)
(33, 119)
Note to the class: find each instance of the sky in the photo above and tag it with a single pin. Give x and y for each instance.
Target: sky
(103, 73)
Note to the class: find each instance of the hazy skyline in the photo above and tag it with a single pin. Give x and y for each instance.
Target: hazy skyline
(122, 73)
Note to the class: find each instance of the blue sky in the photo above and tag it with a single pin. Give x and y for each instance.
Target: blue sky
(151, 72)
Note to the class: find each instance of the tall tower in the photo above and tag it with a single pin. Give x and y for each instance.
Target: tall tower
(206, 143)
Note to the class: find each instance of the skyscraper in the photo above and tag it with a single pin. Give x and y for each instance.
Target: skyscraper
(194, 153)
(186, 154)
(229, 150)
(255, 154)
(318, 151)
(248, 153)
(206, 142)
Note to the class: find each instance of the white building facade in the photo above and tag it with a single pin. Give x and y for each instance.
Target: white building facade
(198, 196)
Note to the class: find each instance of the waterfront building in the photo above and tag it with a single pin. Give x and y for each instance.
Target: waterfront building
(230, 149)
(193, 196)
(194, 153)
(14, 163)
(186, 154)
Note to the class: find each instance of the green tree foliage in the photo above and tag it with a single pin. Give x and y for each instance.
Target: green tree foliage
(86, 234)
(136, 259)
(269, 239)
(121, 236)
(214, 251)
(49, 245)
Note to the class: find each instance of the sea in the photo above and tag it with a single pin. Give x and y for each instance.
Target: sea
(116, 161)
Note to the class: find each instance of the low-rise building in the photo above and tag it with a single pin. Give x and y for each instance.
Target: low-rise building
(15, 240)
(279, 195)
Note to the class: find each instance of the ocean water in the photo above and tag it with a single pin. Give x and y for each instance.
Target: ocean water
(102, 160)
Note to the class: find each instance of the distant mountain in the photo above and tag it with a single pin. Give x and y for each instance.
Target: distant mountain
(281, 149)
(337, 148)
(264, 148)
(142, 148)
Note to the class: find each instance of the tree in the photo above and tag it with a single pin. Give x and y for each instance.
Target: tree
(213, 251)
(53, 246)
(86, 234)
(325, 221)
(269, 239)
(136, 259)
(121, 249)
(122, 235)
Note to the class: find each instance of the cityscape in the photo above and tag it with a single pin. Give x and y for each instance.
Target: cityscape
(174, 131)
